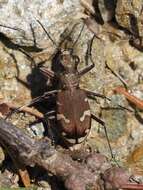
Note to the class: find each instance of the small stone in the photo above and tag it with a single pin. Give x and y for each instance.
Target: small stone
(44, 185)
(107, 9)
(129, 15)
(2, 156)
(36, 130)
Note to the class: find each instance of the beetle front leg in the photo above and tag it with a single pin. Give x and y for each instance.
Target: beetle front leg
(85, 70)
(46, 72)
(48, 117)
(35, 100)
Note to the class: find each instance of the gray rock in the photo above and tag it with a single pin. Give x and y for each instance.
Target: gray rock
(107, 9)
(129, 15)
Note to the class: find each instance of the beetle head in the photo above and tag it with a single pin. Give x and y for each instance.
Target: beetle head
(69, 60)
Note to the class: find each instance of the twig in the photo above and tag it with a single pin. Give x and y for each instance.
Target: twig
(133, 99)
(75, 175)
(29, 110)
(26, 109)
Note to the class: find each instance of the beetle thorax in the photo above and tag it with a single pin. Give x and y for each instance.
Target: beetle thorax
(70, 80)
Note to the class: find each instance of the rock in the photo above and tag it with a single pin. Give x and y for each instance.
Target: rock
(115, 177)
(51, 13)
(129, 15)
(8, 179)
(36, 130)
(44, 185)
(107, 9)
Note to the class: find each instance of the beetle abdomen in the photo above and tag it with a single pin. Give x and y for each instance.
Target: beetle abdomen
(73, 113)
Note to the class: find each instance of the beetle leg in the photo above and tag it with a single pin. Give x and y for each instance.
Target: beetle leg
(88, 56)
(35, 100)
(85, 70)
(46, 72)
(48, 117)
(91, 95)
(106, 134)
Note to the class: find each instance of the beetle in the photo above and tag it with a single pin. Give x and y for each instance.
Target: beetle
(72, 113)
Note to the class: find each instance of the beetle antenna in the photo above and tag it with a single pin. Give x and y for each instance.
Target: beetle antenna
(71, 31)
(47, 33)
(78, 36)
(89, 51)
(33, 35)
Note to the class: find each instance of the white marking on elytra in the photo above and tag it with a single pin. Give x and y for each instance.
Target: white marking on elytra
(85, 113)
(72, 141)
(51, 117)
(86, 99)
(75, 147)
(61, 116)
(81, 139)
(87, 131)
(64, 134)
(59, 104)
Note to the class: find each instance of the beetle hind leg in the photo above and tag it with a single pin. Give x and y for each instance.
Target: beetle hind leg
(48, 119)
(100, 121)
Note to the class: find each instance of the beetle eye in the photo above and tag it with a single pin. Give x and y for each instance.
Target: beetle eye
(76, 59)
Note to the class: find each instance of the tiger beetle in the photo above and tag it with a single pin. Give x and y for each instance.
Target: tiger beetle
(72, 114)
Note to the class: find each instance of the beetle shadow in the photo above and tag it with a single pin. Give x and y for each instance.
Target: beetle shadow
(35, 80)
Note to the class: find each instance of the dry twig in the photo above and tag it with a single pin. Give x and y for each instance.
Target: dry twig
(5, 109)
(75, 175)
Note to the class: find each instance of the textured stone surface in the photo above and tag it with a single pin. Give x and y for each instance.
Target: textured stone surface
(107, 9)
(129, 15)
